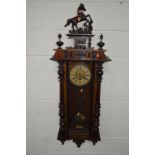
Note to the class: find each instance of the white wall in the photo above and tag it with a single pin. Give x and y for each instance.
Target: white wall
(45, 19)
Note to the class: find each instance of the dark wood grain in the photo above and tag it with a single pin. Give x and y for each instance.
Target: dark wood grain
(79, 112)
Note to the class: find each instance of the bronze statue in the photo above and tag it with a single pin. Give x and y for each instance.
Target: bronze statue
(87, 26)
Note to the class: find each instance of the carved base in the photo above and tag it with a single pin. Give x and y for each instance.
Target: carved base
(62, 137)
(78, 142)
(96, 137)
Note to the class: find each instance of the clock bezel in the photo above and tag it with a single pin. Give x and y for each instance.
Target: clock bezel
(76, 83)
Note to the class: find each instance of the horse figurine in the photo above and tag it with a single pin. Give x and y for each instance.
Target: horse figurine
(79, 18)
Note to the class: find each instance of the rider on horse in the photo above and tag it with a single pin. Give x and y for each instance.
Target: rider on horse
(79, 18)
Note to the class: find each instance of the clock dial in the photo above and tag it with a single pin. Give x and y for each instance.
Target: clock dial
(80, 75)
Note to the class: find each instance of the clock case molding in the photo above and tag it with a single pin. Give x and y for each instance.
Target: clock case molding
(79, 106)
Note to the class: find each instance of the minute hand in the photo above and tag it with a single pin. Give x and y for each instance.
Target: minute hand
(84, 77)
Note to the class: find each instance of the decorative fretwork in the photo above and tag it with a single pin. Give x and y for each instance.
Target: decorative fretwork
(61, 71)
(99, 71)
(62, 130)
(97, 105)
(95, 133)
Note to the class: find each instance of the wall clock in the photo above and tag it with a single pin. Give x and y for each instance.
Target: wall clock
(80, 73)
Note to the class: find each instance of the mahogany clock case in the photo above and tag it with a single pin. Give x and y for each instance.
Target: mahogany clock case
(80, 73)
(80, 103)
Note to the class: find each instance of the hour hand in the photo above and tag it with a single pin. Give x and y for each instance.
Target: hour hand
(84, 78)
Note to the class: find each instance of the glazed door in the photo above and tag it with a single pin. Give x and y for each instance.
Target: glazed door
(80, 97)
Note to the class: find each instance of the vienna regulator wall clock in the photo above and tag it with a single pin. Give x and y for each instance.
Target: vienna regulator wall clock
(80, 74)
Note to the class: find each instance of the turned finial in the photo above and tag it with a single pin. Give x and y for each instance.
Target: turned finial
(59, 42)
(101, 43)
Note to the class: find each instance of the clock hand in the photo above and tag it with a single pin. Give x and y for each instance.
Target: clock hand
(85, 78)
